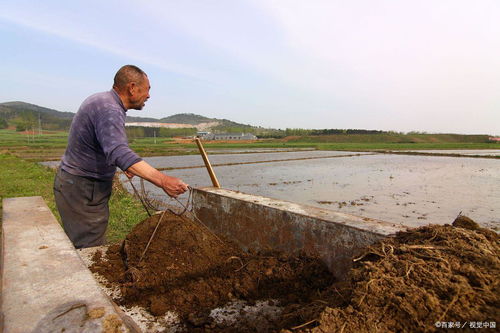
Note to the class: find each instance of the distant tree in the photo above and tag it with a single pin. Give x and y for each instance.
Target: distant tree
(21, 127)
(24, 121)
(3, 123)
(172, 132)
(134, 132)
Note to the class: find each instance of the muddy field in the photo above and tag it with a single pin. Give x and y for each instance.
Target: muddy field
(403, 284)
(411, 190)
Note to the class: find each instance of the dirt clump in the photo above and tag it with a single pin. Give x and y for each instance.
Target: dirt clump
(423, 280)
(465, 222)
(191, 271)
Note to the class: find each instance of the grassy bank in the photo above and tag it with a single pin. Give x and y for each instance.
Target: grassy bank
(346, 142)
(20, 178)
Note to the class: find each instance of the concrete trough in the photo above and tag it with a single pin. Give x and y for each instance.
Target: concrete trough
(46, 287)
(257, 222)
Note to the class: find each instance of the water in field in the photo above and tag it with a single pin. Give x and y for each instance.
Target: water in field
(233, 158)
(405, 189)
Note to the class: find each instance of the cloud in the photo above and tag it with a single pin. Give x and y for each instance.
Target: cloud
(74, 28)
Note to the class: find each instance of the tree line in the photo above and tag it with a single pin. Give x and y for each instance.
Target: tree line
(134, 132)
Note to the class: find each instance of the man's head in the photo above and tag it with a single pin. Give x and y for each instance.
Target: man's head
(132, 84)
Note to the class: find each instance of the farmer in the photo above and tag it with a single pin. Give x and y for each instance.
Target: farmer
(97, 144)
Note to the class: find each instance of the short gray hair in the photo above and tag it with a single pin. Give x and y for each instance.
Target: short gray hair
(127, 74)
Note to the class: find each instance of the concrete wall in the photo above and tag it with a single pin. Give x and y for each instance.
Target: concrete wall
(45, 285)
(263, 223)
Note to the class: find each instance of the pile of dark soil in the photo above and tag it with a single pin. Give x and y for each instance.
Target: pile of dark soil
(189, 270)
(407, 283)
(422, 280)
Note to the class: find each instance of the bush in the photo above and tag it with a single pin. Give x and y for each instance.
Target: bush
(21, 127)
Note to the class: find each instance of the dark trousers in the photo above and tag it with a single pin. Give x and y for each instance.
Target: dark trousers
(83, 205)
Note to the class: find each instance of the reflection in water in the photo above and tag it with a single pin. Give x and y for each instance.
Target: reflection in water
(411, 190)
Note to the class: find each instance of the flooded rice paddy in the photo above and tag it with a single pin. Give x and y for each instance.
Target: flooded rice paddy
(403, 189)
(189, 161)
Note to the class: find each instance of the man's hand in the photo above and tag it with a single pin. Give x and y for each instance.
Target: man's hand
(173, 186)
(130, 175)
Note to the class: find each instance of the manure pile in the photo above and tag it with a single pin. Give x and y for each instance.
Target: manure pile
(408, 283)
(422, 281)
(190, 271)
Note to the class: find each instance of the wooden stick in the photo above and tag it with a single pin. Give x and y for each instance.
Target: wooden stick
(215, 182)
(305, 324)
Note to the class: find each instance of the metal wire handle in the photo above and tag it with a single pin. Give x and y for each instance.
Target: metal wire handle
(139, 196)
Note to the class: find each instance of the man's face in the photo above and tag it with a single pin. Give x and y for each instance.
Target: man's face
(139, 94)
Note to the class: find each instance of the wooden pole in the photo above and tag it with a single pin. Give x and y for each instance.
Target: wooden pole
(215, 182)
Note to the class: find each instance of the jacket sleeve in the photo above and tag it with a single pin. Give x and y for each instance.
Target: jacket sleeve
(110, 132)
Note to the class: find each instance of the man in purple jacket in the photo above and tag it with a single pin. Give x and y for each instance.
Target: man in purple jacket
(97, 144)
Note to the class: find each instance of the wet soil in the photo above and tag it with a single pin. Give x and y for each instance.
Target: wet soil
(189, 270)
(407, 283)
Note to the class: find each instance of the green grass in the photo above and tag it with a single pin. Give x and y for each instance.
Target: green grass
(125, 212)
(349, 146)
(48, 146)
(20, 178)
(47, 139)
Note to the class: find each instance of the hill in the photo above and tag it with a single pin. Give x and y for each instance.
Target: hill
(130, 119)
(211, 124)
(23, 106)
(11, 111)
(187, 118)
(24, 116)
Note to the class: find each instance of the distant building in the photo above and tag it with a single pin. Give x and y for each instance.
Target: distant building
(494, 139)
(225, 136)
(201, 134)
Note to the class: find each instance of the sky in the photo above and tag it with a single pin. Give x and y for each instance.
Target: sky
(398, 65)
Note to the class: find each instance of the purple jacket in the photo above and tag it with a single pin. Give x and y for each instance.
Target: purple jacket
(97, 142)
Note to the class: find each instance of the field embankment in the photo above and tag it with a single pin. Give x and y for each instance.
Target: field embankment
(389, 137)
